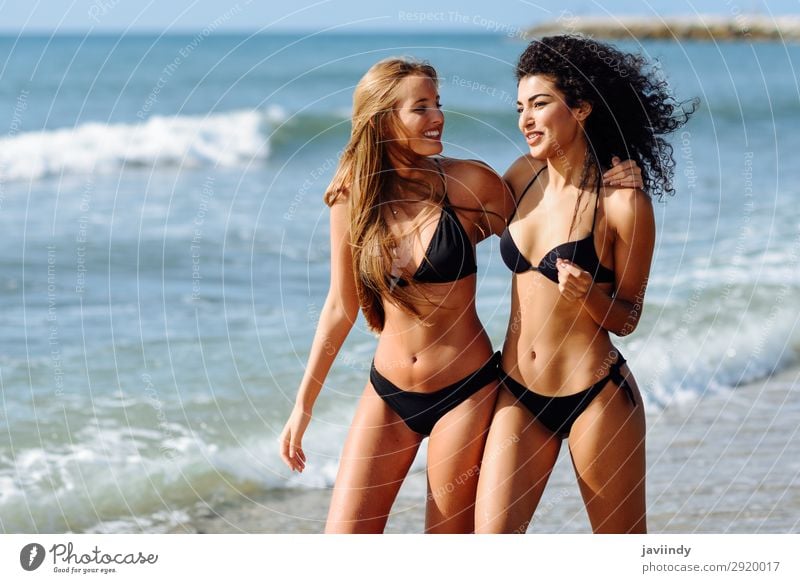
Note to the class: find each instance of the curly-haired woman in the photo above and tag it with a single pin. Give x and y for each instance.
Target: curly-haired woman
(581, 253)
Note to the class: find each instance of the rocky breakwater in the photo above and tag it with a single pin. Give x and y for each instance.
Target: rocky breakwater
(699, 27)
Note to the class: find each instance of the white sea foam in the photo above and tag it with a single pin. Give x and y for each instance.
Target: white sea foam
(129, 477)
(225, 139)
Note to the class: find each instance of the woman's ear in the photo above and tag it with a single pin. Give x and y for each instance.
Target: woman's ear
(583, 110)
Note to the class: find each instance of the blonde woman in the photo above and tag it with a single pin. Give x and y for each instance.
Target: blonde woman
(403, 231)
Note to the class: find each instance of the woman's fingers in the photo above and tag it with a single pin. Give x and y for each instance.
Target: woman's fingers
(568, 269)
(632, 179)
(615, 171)
(627, 174)
(300, 460)
(297, 456)
(568, 295)
(573, 282)
(292, 453)
(285, 456)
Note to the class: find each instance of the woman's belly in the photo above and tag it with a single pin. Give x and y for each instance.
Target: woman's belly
(553, 346)
(446, 346)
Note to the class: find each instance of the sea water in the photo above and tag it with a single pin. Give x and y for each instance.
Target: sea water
(165, 253)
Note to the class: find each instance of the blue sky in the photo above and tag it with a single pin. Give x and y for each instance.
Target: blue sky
(344, 15)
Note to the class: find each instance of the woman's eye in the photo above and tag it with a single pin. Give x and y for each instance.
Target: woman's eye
(540, 104)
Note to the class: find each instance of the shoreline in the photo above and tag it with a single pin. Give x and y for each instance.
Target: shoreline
(721, 464)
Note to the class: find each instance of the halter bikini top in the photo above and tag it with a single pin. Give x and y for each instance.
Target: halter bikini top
(582, 253)
(450, 255)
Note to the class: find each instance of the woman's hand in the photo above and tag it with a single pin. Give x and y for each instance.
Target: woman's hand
(573, 282)
(292, 439)
(626, 174)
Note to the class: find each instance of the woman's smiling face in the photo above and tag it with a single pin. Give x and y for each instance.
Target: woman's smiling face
(547, 122)
(420, 116)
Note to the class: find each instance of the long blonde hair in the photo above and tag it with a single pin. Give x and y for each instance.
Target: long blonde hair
(366, 177)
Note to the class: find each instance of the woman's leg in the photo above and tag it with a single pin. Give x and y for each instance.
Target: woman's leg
(607, 443)
(455, 448)
(377, 455)
(517, 461)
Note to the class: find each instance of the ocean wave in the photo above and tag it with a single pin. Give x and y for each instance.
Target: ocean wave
(714, 341)
(225, 139)
(145, 479)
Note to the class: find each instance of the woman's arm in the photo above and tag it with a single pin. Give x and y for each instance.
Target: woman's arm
(630, 215)
(336, 320)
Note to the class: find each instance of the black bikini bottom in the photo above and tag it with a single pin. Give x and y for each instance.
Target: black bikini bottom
(421, 411)
(559, 413)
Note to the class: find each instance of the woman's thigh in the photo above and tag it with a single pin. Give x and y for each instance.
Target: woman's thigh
(517, 461)
(607, 443)
(377, 455)
(455, 449)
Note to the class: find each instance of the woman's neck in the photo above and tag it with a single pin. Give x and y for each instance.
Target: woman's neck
(421, 171)
(416, 168)
(565, 169)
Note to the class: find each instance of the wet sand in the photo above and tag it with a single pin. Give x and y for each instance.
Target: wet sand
(726, 463)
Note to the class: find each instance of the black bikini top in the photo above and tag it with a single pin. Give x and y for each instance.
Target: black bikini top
(450, 255)
(582, 252)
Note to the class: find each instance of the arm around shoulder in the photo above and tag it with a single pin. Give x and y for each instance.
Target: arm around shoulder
(491, 193)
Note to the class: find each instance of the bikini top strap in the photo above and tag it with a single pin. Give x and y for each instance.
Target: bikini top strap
(525, 191)
(596, 206)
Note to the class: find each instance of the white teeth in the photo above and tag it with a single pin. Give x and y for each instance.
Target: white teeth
(431, 134)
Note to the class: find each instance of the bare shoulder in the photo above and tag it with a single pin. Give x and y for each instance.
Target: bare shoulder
(627, 199)
(625, 207)
(475, 179)
(476, 169)
(524, 165)
(521, 171)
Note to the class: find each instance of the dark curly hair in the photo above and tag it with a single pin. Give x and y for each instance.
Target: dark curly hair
(632, 107)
